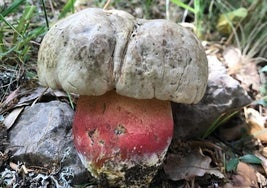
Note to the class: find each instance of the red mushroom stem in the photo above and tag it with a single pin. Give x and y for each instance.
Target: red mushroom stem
(118, 136)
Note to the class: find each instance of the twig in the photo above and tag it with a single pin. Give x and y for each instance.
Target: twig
(106, 5)
(167, 9)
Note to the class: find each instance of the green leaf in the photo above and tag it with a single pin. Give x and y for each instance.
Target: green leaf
(227, 20)
(231, 165)
(251, 159)
(239, 13)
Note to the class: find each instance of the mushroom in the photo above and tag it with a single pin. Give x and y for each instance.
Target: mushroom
(126, 71)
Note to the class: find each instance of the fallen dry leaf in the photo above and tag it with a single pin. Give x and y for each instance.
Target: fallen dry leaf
(232, 57)
(264, 152)
(20, 168)
(261, 179)
(186, 165)
(14, 166)
(13, 95)
(242, 68)
(245, 176)
(256, 124)
(12, 117)
(30, 96)
(263, 161)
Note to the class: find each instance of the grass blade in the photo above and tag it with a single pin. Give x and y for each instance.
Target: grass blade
(24, 21)
(9, 24)
(12, 7)
(69, 7)
(45, 14)
(183, 5)
(219, 121)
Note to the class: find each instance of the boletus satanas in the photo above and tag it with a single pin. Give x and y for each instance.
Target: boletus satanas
(126, 71)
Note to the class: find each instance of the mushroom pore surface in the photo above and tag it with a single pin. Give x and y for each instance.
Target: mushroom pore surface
(95, 51)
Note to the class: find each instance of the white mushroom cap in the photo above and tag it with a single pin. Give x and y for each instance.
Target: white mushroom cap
(94, 51)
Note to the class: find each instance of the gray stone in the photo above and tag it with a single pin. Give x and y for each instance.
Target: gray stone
(43, 136)
(224, 94)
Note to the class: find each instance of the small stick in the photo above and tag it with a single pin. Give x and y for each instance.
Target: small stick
(167, 9)
(106, 5)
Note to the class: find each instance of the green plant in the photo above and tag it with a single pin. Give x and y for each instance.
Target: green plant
(253, 32)
(16, 35)
(147, 6)
(219, 121)
(20, 32)
(231, 164)
(248, 25)
(198, 11)
(68, 7)
(249, 34)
